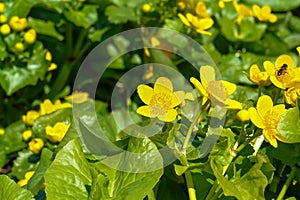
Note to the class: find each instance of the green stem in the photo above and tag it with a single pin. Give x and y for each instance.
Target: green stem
(69, 39)
(79, 42)
(212, 190)
(190, 185)
(217, 194)
(277, 94)
(287, 183)
(259, 90)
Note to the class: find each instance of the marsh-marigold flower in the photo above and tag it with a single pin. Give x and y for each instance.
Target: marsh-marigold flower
(24, 181)
(259, 77)
(291, 95)
(4, 29)
(26, 135)
(48, 107)
(221, 3)
(266, 116)
(213, 89)
(264, 13)
(160, 100)
(146, 7)
(199, 24)
(2, 131)
(57, 132)
(243, 115)
(19, 46)
(283, 74)
(30, 36)
(30, 117)
(3, 18)
(35, 145)
(201, 10)
(242, 11)
(2, 7)
(18, 24)
(53, 66)
(48, 56)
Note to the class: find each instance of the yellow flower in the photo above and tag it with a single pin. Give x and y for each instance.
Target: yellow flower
(47, 107)
(243, 115)
(201, 10)
(2, 7)
(160, 101)
(199, 24)
(30, 36)
(35, 145)
(264, 13)
(19, 46)
(283, 74)
(146, 7)
(222, 4)
(266, 116)
(24, 181)
(218, 90)
(18, 24)
(242, 11)
(5, 29)
(2, 131)
(57, 132)
(78, 97)
(30, 117)
(48, 56)
(3, 18)
(26, 135)
(259, 77)
(52, 67)
(291, 95)
(298, 50)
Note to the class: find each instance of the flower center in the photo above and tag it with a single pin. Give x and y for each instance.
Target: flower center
(160, 103)
(284, 74)
(271, 120)
(217, 90)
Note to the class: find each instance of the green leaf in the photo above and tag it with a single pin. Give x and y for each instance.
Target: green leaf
(288, 154)
(289, 125)
(276, 5)
(83, 18)
(14, 77)
(70, 171)
(120, 15)
(26, 161)
(36, 181)
(9, 190)
(168, 189)
(96, 36)
(239, 187)
(128, 184)
(44, 27)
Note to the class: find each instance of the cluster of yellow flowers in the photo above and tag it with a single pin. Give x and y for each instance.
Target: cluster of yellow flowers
(28, 37)
(54, 134)
(161, 101)
(200, 20)
(263, 13)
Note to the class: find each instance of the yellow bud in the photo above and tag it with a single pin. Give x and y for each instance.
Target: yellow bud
(52, 67)
(5, 29)
(30, 117)
(2, 131)
(18, 24)
(19, 46)
(30, 36)
(243, 115)
(181, 5)
(2, 7)
(26, 135)
(3, 18)
(146, 7)
(35, 145)
(22, 182)
(48, 56)
(28, 175)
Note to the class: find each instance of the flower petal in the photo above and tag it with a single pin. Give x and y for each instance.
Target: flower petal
(199, 87)
(170, 116)
(269, 136)
(163, 84)
(233, 104)
(180, 95)
(277, 83)
(284, 59)
(229, 87)
(144, 110)
(264, 104)
(269, 67)
(184, 19)
(297, 74)
(278, 110)
(145, 92)
(256, 118)
(254, 71)
(207, 74)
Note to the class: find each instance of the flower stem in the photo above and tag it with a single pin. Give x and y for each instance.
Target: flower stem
(189, 179)
(259, 90)
(287, 183)
(277, 95)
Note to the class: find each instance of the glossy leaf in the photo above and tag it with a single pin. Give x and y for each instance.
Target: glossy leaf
(83, 18)
(9, 190)
(289, 125)
(70, 171)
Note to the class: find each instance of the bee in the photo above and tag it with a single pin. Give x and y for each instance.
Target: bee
(282, 70)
